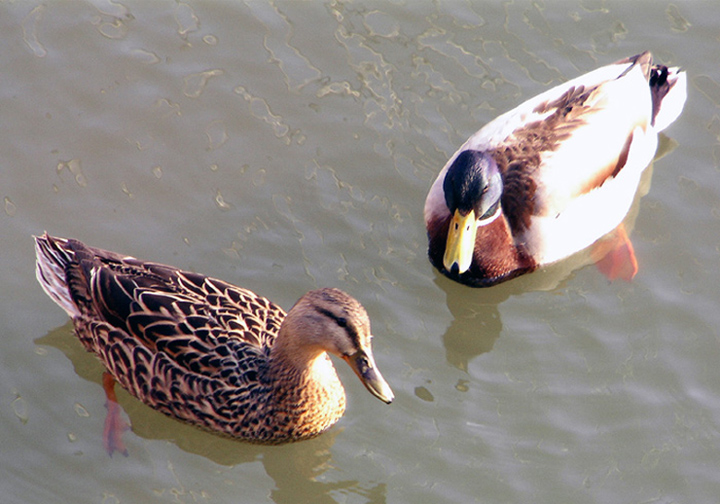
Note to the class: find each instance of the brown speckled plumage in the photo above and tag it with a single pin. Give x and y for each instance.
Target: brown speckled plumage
(207, 352)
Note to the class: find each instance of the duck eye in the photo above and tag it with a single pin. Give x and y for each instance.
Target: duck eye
(342, 321)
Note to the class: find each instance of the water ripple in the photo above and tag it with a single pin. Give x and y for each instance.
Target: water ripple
(216, 134)
(260, 109)
(116, 27)
(194, 84)
(677, 22)
(295, 66)
(10, 207)
(186, 19)
(75, 168)
(709, 87)
(29, 28)
(20, 409)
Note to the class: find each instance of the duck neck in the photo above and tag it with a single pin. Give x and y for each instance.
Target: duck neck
(306, 391)
(496, 254)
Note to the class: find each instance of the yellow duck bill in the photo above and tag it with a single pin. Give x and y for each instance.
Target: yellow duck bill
(460, 242)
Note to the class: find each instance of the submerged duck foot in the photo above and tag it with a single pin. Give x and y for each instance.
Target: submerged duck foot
(620, 261)
(115, 424)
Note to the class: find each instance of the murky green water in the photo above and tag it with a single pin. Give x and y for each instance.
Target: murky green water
(285, 146)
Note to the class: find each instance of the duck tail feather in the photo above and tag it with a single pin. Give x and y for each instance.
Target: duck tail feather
(668, 86)
(52, 263)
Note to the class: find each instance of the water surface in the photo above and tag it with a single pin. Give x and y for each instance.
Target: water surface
(285, 146)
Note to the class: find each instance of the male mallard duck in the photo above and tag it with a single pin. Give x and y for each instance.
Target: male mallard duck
(552, 176)
(207, 352)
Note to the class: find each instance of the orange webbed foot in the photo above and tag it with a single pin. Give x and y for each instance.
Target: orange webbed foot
(619, 261)
(115, 425)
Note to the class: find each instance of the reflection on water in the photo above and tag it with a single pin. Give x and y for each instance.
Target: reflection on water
(30, 28)
(297, 468)
(477, 324)
(290, 145)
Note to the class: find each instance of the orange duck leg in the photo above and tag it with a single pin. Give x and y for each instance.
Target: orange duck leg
(115, 425)
(619, 261)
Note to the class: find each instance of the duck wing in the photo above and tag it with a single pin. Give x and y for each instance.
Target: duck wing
(188, 345)
(573, 161)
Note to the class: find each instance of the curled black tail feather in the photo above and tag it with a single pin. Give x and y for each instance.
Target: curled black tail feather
(659, 88)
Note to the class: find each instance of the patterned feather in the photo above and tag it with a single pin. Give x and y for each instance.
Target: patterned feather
(205, 351)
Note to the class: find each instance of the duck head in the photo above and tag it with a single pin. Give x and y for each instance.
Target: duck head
(472, 187)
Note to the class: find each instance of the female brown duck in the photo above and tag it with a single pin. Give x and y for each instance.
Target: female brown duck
(207, 352)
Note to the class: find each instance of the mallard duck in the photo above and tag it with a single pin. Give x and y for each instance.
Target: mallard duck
(553, 175)
(207, 352)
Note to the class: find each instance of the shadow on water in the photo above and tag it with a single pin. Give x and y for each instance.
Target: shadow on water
(477, 324)
(295, 468)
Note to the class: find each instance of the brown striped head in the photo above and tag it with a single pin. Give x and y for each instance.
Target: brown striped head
(329, 320)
